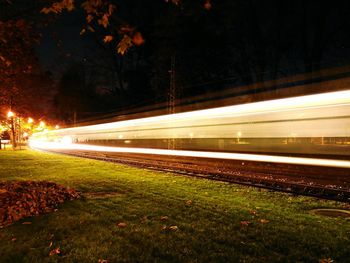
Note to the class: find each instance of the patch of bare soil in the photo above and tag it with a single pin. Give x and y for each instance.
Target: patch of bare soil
(28, 198)
(332, 212)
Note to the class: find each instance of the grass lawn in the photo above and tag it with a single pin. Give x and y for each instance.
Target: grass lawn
(168, 218)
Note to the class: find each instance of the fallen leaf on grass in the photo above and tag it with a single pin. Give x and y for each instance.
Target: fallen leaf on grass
(144, 219)
(26, 223)
(252, 212)
(102, 261)
(189, 202)
(264, 221)
(13, 239)
(50, 245)
(55, 251)
(164, 218)
(245, 223)
(173, 228)
(121, 225)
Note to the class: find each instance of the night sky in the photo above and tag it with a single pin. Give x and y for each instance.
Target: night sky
(65, 30)
(230, 44)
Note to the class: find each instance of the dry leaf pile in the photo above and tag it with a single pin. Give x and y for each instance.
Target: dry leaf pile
(28, 198)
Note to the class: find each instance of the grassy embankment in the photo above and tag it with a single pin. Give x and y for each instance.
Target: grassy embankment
(210, 218)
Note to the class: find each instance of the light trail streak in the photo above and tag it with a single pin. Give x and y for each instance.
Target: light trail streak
(319, 102)
(184, 153)
(313, 118)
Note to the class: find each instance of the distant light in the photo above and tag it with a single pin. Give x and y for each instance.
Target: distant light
(120, 136)
(42, 124)
(10, 114)
(66, 141)
(25, 135)
(30, 120)
(239, 134)
(57, 127)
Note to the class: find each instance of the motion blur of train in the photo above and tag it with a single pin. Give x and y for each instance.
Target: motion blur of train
(315, 125)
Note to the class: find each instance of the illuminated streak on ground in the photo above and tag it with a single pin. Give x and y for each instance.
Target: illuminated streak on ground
(216, 155)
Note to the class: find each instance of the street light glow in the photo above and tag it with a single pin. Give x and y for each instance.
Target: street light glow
(10, 114)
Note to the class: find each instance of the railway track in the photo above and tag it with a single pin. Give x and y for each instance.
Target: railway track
(320, 182)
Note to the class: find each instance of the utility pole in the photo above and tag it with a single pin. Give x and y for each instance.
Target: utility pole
(172, 96)
(75, 118)
(172, 87)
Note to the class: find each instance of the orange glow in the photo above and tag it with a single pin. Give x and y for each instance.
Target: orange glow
(42, 124)
(57, 127)
(30, 120)
(10, 114)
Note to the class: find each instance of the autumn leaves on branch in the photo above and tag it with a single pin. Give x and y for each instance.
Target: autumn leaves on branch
(100, 13)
